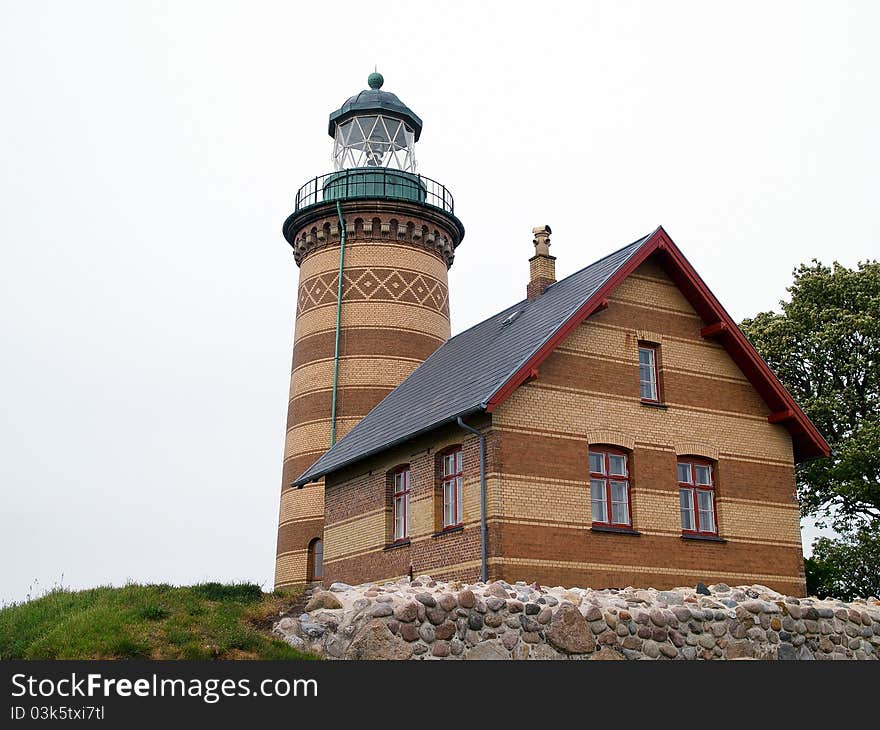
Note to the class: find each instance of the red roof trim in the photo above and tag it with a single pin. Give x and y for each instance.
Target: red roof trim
(714, 329)
(781, 416)
(808, 442)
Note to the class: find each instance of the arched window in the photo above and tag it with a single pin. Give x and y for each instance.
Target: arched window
(696, 490)
(609, 487)
(316, 559)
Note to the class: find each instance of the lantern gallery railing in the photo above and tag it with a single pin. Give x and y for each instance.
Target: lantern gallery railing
(374, 182)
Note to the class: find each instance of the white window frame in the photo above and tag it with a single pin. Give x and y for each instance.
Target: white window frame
(451, 486)
(652, 382)
(400, 504)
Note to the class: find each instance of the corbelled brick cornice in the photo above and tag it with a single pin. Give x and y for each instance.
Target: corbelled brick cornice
(384, 220)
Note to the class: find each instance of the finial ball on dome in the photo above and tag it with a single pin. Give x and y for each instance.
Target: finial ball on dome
(375, 80)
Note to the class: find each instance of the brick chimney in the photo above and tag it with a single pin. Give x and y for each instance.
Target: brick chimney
(542, 266)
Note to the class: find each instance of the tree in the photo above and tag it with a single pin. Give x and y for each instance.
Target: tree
(825, 348)
(847, 567)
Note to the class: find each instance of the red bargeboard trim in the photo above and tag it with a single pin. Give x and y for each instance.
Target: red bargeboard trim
(808, 442)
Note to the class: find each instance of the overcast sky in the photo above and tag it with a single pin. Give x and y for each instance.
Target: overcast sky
(151, 151)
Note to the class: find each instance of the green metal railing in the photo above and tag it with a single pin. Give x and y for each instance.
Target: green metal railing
(374, 182)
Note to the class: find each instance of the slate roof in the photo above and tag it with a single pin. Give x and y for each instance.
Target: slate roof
(467, 370)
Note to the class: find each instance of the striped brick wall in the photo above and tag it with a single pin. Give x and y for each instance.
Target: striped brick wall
(588, 392)
(394, 313)
(537, 472)
(358, 543)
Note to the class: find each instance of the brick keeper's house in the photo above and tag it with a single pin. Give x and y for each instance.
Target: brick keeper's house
(614, 428)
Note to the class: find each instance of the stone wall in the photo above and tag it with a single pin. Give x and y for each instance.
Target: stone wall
(427, 619)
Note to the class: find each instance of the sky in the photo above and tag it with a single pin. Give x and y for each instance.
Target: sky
(150, 151)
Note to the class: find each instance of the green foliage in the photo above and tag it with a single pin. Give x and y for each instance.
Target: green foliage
(825, 348)
(125, 648)
(206, 621)
(847, 567)
(241, 592)
(153, 613)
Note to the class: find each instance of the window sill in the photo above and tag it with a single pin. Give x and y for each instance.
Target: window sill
(616, 530)
(449, 531)
(398, 544)
(705, 538)
(655, 404)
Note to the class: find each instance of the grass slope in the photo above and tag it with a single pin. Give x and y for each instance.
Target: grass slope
(206, 621)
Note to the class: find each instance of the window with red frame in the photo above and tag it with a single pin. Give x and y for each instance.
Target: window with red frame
(649, 374)
(696, 491)
(400, 504)
(609, 487)
(452, 513)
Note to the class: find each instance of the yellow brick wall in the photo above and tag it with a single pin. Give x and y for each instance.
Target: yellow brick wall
(374, 253)
(298, 504)
(353, 371)
(370, 530)
(576, 413)
(392, 315)
(370, 373)
(762, 536)
(600, 414)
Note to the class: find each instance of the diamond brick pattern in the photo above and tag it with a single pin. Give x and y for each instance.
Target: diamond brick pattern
(374, 284)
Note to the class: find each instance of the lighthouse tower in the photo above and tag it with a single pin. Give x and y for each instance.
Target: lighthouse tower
(373, 241)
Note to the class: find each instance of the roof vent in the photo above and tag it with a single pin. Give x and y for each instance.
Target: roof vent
(510, 318)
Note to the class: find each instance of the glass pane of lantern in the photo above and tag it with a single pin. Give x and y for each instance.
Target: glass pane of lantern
(377, 145)
(374, 140)
(399, 136)
(366, 125)
(379, 133)
(389, 126)
(355, 135)
(342, 132)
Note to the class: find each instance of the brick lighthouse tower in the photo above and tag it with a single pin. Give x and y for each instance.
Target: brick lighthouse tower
(373, 241)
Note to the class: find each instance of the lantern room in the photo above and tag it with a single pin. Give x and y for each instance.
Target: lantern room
(374, 129)
(374, 135)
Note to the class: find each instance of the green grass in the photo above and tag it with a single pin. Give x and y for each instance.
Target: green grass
(205, 621)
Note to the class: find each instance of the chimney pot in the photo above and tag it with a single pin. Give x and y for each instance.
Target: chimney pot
(542, 266)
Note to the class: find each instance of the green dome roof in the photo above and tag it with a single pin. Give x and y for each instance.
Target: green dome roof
(376, 101)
